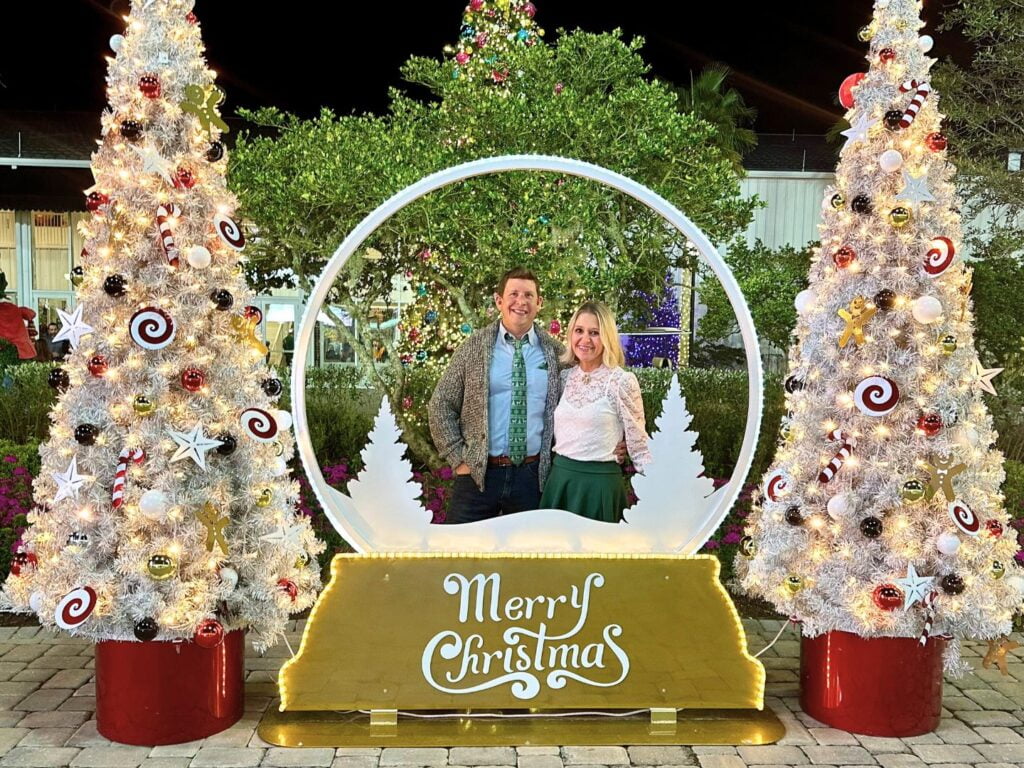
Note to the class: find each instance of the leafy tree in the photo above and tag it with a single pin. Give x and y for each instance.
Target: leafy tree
(588, 96)
(769, 279)
(724, 109)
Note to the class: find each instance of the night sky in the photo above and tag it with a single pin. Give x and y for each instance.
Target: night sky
(788, 58)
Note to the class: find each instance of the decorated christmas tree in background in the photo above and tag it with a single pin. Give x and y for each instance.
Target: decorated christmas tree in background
(165, 510)
(882, 513)
(490, 31)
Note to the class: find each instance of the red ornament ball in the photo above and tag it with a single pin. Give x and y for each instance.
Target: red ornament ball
(96, 200)
(191, 18)
(936, 142)
(886, 55)
(209, 634)
(407, 402)
(888, 597)
(555, 328)
(289, 588)
(98, 365)
(193, 379)
(23, 561)
(476, 5)
(461, 57)
(253, 313)
(929, 423)
(149, 85)
(844, 257)
(529, 9)
(994, 528)
(184, 178)
(846, 89)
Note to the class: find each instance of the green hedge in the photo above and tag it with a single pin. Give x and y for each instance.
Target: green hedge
(25, 402)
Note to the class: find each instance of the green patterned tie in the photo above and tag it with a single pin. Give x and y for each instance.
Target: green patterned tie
(517, 417)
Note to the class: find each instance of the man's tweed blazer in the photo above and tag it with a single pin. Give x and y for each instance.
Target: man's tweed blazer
(458, 408)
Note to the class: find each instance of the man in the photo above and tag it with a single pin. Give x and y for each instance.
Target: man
(491, 413)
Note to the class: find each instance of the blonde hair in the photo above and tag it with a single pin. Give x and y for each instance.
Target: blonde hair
(612, 355)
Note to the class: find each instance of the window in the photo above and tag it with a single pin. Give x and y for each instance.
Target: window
(8, 257)
(51, 251)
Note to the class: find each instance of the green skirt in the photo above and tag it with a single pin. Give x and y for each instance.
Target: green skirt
(594, 489)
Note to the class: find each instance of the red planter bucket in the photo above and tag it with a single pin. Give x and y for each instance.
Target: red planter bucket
(168, 693)
(879, 686)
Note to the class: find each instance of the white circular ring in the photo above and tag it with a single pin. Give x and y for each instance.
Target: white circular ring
(356, 532)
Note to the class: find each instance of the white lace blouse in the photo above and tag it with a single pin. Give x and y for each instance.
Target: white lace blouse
(595, 410)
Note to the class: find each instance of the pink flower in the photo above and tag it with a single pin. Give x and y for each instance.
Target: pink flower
(444, 473)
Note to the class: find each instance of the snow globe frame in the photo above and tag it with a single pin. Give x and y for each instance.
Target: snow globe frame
(642, 620)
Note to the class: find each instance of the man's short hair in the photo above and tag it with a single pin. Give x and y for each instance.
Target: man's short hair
(517, 273)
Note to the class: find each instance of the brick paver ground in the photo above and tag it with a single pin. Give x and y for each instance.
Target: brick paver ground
(47, 702)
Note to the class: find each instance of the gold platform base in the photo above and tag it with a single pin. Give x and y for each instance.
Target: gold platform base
(352, 729)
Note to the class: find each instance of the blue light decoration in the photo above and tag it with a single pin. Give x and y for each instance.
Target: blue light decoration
(661, 337)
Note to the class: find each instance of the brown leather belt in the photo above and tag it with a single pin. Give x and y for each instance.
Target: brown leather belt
(505, 461)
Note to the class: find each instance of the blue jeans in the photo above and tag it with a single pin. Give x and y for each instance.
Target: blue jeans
(506, 490)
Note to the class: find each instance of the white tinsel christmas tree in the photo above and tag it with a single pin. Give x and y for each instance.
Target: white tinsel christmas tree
(882, 513)
(164, 503)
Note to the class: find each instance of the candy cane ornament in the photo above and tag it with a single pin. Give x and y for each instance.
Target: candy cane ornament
(163, 213)
(135, 456)
(849, 443)
(929, 617)
(921, 93)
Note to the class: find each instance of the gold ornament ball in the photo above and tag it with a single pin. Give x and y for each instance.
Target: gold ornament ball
(794, 583)
(143, 405)
(899, 216)
(786, 431)
(302, 561)
(948, 343)
(278, 448)
(865, 34)
(913, 491)
(838, 201)
(747, 547)
(998, 569)
(266, 495)
(162, 567)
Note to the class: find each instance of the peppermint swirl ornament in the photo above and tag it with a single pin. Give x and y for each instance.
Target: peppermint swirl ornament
(152, 328)
(876, 396)
(259, 425)
(229, 231)
(75, 607)
(939, 257)
(778, 485)
(964, 518)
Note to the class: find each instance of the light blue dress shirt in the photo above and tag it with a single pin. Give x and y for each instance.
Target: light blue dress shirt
(499, 406)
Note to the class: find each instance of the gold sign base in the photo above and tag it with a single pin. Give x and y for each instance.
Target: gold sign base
(531, 636)
(352, 729)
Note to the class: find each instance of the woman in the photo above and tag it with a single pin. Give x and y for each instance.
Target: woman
(600, 401)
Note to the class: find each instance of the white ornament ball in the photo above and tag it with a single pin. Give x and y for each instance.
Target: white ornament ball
(947, 543)
(882, 4)
(966, 437)
(283, 419)
(1017, 582)
(35, 602)
(838, 506)
(153, 504)
(229, 577)
(116, 42)
(927, 309)
(198, 257)
(805, 301)
(925, 43)
(890, 160)
(280, 466)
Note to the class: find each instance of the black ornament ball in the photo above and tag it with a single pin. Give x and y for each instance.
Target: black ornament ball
(793, 384)
(861, 204)
(215, 151)
(871, 527)
(223, 299)
(272, 387)
(885, 299)
(131, 130)
(86, 433)
(114, 285)
(59, 379)
(793, 516)
(227, 444)
(952, 584)
(892, 119)
(146, 629)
